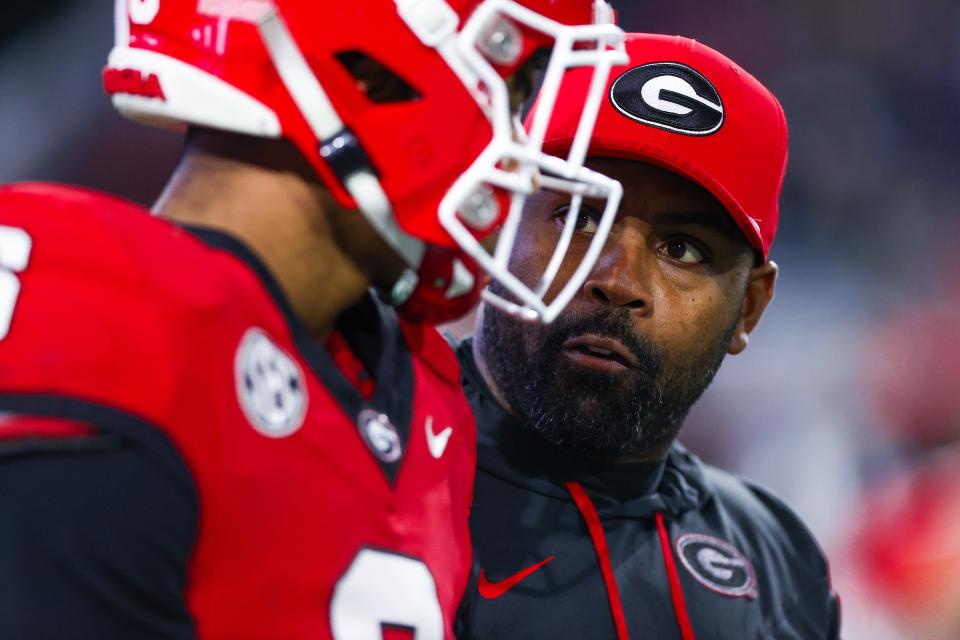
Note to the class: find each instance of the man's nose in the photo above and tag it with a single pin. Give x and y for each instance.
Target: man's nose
(622, 277)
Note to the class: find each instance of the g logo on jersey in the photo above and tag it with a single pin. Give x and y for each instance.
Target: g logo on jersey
(670, 96)
(270, 386)
(717, 565)
(380, 435)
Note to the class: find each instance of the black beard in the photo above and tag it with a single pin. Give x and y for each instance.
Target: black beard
(590, 413)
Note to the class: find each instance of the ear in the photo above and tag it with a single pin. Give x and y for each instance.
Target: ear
(761, 282)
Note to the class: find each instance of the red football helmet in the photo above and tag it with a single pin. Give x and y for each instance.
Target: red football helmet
(438, 163)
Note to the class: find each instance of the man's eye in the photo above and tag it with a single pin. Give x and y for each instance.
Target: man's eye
(587, 218)
(684, 251)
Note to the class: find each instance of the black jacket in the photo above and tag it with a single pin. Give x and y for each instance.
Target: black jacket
(571, 549)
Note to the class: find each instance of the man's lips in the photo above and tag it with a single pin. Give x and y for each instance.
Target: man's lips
(599, 352)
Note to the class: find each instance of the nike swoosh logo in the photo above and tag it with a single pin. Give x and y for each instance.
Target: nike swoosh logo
(491, 590)
(437, 442)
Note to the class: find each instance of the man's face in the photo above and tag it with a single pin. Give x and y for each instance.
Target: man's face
(673, 291)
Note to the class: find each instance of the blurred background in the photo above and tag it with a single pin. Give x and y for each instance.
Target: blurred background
(847, 404)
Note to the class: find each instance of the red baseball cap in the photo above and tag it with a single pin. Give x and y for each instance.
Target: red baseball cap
(684, 107)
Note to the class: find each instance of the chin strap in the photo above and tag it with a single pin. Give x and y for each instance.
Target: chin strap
(340, 149)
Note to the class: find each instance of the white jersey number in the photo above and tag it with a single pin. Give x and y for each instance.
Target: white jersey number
(143, 11)
(14, 253)
(382, 589)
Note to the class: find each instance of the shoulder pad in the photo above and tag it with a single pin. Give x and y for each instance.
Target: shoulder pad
(104, 302)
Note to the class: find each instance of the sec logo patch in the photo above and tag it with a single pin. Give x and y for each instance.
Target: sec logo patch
(270, 386)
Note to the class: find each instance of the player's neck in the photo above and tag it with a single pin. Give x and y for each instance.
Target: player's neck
(282, 218)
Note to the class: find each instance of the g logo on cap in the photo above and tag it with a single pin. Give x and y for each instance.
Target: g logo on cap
(670, 96)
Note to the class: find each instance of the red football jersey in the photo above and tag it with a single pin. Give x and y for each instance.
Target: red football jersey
(322, 513)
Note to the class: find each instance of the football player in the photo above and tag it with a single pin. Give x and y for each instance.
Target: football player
(211, 425)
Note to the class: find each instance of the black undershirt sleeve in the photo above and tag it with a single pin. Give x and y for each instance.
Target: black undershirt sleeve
(95, 540)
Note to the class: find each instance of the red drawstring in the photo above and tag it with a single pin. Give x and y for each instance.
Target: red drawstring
(594, 526)
(676, 591)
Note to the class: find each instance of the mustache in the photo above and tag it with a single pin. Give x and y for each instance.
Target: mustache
(608, 323)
